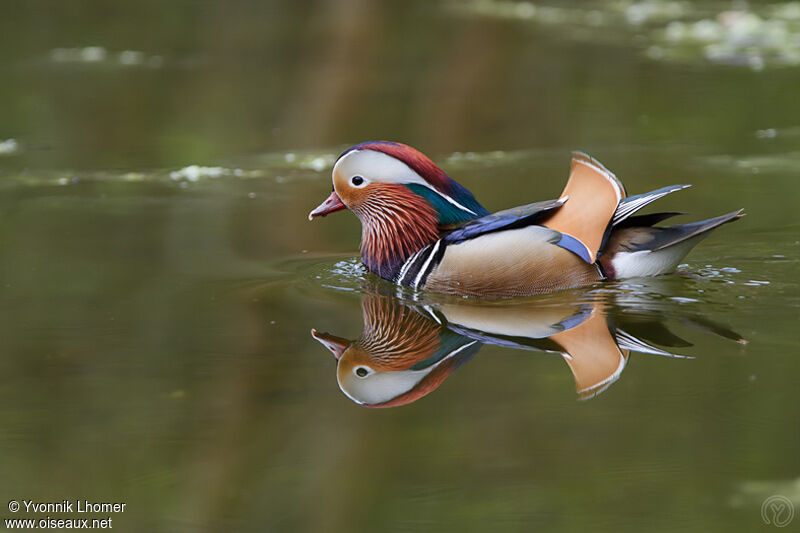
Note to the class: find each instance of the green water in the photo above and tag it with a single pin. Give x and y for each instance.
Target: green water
(156, 318)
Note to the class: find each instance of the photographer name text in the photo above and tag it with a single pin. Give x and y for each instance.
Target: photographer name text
(70, 506)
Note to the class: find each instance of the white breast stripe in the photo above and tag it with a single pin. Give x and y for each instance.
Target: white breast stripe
(407, 265)
(422, 270)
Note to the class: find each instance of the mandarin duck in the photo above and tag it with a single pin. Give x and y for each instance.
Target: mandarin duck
(406, 351)
(422, 229)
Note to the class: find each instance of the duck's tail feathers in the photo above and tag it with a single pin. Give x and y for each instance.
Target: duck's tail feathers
(637, 251)
(631, 204)
(650, 219)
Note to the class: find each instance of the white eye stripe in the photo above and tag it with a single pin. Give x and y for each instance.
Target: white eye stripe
(383, 168)
(424, 268)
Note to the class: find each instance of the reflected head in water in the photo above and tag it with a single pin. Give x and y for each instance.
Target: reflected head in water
(407, 350)
(400, 356)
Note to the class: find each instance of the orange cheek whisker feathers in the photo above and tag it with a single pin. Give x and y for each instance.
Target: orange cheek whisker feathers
(396, 223)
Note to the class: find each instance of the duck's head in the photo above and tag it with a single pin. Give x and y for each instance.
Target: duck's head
(402, 198)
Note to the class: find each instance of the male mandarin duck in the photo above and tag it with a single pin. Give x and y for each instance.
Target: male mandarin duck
(406, 352)
(422, 229)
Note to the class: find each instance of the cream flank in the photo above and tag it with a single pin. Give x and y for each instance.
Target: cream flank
(513, 321)
(514, 262)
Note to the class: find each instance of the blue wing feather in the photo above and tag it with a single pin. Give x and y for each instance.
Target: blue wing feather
(568, 242)
(516, 217)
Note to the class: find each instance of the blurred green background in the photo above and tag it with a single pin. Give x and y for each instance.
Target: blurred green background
(158, 277)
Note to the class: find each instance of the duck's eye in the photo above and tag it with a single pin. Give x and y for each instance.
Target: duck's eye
(357, 180)
(361, 372)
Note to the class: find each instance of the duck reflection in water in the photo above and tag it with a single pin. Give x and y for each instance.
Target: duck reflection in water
(407, 350)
